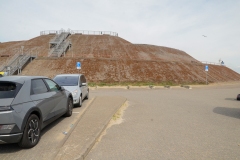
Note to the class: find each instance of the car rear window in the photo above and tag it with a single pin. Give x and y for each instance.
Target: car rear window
(9, 89)
(67, 80)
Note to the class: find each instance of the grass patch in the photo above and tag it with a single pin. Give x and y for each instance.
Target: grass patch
(116, 116)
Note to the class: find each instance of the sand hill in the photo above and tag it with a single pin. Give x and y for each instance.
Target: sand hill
(106, 58)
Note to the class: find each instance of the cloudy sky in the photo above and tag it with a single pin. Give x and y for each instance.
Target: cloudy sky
(178, 24)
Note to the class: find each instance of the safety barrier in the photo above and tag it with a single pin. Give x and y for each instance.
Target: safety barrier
(206, 62)
(85, 32)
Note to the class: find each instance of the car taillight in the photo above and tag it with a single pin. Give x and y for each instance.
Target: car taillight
(7, 127)
(5, 108)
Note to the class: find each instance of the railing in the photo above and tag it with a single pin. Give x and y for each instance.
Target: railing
(60, 43)
(206, 62)
(51, 51)
(48, 32)
(60, 49)
(2, 66)
(85, 32)
(59, 38)
(9, 61)
(65, 45)
(18, 63)
(13, 59)
(94, 32)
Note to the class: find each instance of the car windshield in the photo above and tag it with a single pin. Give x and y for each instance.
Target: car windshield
(8, 89)
(66, 80)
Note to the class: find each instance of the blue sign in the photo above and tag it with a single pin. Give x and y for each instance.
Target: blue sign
(206, 68)
(78, 65)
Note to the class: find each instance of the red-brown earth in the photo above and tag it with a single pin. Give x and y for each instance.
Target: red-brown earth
(106, 58)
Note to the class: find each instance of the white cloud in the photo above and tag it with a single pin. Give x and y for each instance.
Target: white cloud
(173, 23)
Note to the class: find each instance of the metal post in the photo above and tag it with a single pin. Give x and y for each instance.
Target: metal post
(22, 49)
(206, 79)
(71, 50)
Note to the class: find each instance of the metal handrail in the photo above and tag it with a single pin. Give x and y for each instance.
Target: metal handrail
(19, 63)
(65, 45)
(206, 62)
(51, 51)
(13, 58)
(59, 40)
(2, 66)
(48, 32)
(9, 61)
(85, 32)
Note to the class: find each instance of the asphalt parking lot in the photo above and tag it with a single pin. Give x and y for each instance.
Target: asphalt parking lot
(198, 123)
(177, 123)
(52, 138)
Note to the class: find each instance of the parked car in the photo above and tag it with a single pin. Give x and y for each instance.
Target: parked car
(76, 84)
(28, 104)
(2, 74)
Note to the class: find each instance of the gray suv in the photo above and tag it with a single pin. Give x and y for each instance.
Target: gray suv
(27, 105)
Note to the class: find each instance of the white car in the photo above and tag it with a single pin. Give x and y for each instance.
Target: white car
(76, 84)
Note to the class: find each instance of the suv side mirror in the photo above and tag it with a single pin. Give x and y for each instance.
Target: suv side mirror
(60, 88)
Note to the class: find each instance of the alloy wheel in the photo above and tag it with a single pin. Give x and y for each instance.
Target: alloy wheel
(33, 130)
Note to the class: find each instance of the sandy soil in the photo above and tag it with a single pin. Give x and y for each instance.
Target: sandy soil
(112, 59)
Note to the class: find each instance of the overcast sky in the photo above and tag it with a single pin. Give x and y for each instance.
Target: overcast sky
(178, 24)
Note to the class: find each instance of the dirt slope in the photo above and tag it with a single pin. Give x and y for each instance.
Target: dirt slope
(103, 46)
(112, 59)
(106, 70)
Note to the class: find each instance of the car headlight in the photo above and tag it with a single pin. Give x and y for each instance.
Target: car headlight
(74, 93)
(5, 108)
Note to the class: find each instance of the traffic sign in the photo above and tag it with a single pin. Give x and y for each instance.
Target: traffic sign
(78, 65)
(206, 68)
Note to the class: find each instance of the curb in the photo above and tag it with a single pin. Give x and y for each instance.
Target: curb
(70, 132)
(97, 135)
(77, 144)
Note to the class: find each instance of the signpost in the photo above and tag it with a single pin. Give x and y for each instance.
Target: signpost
(78, 66)
(206, 69)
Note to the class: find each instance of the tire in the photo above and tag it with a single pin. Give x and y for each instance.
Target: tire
(69, 107)
(238, 97)
(79, 104)
(31, 133)
(87, 96)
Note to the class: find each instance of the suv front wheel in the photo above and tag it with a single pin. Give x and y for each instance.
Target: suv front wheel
(69, 107)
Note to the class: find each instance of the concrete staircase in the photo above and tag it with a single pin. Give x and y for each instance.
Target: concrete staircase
(59, 44)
